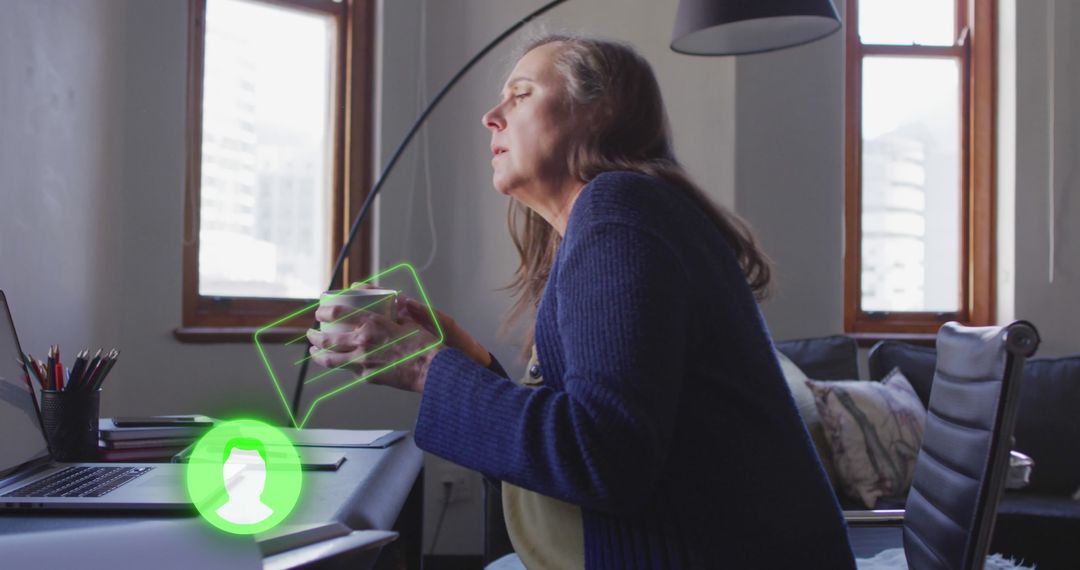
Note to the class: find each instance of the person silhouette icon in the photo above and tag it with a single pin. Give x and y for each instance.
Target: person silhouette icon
(244, 476)
(244, 473)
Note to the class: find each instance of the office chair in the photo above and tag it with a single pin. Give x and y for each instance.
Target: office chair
(961, 468)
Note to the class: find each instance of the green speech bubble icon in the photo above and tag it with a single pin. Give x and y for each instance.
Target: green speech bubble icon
(244, 476)
(325, 384)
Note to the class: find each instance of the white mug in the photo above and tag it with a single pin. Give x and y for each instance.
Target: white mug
(379, 301)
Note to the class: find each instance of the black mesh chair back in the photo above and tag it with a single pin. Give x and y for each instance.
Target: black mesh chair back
(961, 468)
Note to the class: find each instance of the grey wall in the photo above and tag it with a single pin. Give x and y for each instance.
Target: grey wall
(1053, 305)
(1006, 162)
(789, 179)
(61, 119)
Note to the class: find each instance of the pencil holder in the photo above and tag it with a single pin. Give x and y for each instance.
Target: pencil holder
(71, 423)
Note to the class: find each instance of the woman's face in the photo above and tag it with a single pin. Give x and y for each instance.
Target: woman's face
(530, 129)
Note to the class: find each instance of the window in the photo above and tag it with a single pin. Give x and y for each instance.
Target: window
(278, 146)
(919, 149)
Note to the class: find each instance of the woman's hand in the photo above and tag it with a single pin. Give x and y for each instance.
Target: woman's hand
(374, 343)
(377, 341)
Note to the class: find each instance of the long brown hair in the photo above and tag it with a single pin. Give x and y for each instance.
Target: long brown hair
(613, 93)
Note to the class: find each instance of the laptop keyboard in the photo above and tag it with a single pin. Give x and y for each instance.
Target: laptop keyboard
(80, 482)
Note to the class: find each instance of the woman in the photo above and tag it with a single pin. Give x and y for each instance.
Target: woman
(657, 430)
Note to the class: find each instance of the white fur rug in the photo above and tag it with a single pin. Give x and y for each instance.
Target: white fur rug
(893, 559)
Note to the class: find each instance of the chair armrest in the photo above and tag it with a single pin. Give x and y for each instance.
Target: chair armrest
(884, 517)
(1019, 473)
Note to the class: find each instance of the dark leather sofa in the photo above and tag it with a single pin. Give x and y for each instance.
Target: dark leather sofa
(1039, 524)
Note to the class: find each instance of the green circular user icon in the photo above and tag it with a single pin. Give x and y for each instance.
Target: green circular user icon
(244, 476)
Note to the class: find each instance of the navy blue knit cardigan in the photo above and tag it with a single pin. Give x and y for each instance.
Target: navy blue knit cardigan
(663, 414)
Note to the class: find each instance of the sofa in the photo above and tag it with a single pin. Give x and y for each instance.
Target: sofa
(1040, 523)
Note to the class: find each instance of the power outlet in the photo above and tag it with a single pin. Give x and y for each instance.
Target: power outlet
(460, 483)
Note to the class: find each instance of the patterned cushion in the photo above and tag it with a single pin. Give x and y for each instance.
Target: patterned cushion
(874, 430)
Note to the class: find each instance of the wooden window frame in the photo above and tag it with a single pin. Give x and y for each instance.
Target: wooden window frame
(975, 28)
(235, 319)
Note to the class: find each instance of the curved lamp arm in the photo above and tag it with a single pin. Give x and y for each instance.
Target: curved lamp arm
(355, 228)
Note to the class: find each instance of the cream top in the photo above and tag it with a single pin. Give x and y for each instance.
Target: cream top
(546, 532)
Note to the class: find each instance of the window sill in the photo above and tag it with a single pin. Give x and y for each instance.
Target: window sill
(868, 339)
(219, 335)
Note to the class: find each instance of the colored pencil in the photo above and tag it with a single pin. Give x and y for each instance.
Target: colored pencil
(85, 373)
(92, 368)
(108, 367)
(50, 369)
(59, 370)
(77, 370)
(31, 368)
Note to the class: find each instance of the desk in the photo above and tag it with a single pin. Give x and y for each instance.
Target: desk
(373, 489)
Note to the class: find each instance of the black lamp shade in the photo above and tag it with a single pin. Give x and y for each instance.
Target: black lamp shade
(731, 27)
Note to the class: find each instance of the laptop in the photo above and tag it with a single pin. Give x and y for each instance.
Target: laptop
(31, 479)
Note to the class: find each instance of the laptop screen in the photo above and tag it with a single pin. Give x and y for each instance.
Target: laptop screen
(21, 440)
